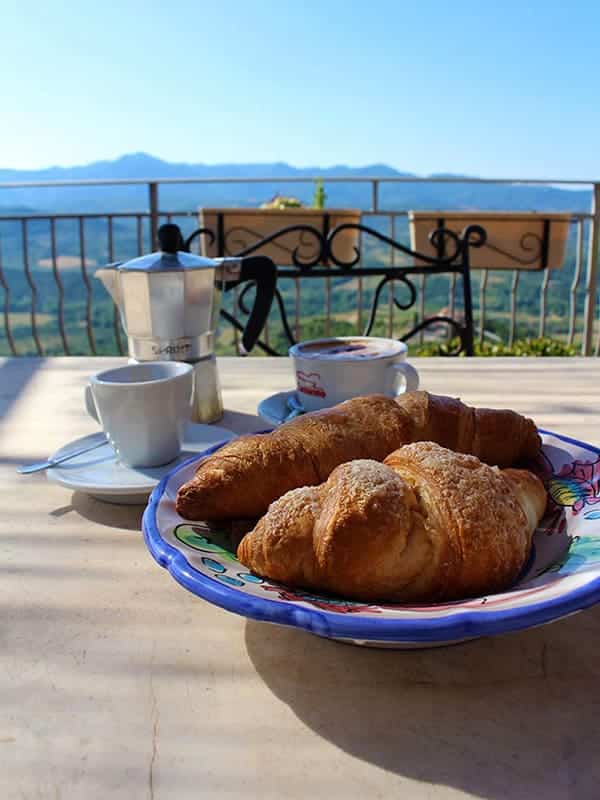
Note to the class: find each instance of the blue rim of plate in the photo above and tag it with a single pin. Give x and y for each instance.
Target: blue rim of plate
(460, 625)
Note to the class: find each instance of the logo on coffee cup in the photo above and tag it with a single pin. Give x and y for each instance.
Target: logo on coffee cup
(308, 383)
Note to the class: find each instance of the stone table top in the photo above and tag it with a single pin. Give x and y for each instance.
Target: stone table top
(115, 682)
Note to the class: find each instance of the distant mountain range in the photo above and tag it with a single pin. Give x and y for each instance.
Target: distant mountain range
(183, 197)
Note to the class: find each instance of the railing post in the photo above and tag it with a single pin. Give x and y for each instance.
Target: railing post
(591, 281)
(153, 199)
(375, 194)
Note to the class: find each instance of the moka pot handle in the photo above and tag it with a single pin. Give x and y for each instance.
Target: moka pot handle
(263, 272)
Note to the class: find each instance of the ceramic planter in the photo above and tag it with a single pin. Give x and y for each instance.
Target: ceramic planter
(515, 240)
(236, 229)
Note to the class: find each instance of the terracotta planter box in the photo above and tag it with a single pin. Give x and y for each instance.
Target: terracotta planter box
(515, 240)
(243, 227)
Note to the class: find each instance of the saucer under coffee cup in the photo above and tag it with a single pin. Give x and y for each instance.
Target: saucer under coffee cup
(333, 369)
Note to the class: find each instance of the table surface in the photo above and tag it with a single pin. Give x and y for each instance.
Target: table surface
(115, 682)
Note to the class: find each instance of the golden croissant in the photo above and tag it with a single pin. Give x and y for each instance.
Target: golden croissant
(426, 525)
(244, 477)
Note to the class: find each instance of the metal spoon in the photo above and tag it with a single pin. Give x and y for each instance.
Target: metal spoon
(52, 462)
(295, 407)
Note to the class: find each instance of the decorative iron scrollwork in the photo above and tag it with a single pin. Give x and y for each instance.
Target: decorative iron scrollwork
(472, 236)
(529, 242)
(308, 253)
(438, 238)
(200, 232)
(402, 306)
(453, 257)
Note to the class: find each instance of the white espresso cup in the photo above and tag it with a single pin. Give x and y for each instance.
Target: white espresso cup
(329, 371)
(143, 409)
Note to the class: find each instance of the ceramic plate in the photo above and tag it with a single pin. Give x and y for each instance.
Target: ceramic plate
(99, 473)
(275, 409)
(562, 576)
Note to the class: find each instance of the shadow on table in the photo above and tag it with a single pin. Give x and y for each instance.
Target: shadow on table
(110, 514)
(508, 717)
(15, 375)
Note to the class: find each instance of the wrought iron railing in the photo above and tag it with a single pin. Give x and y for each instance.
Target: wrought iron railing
(46, 260)
(322, 261)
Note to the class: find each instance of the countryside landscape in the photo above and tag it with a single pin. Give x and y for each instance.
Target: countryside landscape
(81, 247)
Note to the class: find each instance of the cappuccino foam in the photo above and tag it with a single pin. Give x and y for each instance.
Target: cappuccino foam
(349, 349)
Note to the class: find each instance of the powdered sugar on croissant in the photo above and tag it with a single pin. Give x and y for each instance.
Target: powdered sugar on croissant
(427, 525)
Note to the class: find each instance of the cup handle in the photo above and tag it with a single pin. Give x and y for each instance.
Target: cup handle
(407, 376)
(89, 403)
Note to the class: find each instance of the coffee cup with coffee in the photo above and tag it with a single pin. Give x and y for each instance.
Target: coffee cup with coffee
(143, 409)
(329, 371)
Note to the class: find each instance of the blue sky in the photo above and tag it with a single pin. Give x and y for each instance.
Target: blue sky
(489, 88)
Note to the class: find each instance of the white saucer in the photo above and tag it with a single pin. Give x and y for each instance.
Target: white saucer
(99, 473)
(274, 409)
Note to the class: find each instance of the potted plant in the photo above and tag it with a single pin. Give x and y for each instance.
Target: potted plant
(237, 229)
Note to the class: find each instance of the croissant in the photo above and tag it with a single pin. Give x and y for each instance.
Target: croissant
(245, 476)
(426, 525)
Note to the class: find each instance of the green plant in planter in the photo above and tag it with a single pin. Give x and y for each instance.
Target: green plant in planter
(319, 197)
(280, 202)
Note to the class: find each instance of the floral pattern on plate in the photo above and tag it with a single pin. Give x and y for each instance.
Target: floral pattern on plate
(561, 577)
